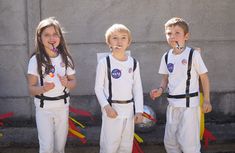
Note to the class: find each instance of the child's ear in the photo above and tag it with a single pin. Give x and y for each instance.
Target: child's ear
(187, 36)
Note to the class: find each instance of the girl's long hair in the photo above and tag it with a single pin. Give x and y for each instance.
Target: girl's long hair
(42, 57)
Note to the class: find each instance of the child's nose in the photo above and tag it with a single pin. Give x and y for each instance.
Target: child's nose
(172, 36)
(119, 41)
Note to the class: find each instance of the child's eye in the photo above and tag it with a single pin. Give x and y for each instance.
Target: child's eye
(123, 37)
(46, 35)
(177, 33)
(55, 35)
(168, 33)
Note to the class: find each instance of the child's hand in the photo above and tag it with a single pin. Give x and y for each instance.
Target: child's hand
(206, 107)
(48, 86)
(156, 93)
(138, 118)
(63, 80)
(110, 111)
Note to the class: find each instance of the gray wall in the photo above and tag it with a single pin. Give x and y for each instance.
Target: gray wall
(85, 21)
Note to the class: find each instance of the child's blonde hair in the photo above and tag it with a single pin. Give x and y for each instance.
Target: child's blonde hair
(177, 21)
(117, 28)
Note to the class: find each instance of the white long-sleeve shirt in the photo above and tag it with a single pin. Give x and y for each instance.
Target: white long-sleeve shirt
(177, 75)
(126, 84)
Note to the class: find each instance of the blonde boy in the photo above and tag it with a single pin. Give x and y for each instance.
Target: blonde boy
(118, 89)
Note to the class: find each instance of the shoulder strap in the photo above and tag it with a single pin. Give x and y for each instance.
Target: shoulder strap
(109, 78)
(41, 83)
(135, 64)
(166, 57)
(188, 76)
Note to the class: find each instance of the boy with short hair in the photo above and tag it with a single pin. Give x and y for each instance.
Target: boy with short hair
(118, 88)
(181, 68)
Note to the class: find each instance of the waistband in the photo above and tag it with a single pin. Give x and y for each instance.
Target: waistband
(183, 95)
(122, 101)
(52, 98)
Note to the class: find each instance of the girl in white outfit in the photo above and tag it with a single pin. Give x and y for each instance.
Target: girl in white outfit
(51, 75)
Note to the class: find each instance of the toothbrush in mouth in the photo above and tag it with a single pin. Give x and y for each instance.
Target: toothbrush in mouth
(54, 49)
(178, 46)
(117, 47)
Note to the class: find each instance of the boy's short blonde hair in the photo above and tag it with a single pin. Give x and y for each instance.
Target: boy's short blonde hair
(117, 28)
(176, 21)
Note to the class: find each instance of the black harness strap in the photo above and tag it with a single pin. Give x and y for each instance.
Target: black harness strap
(166, 58)
(109, 77)
(187, 95)
(189, 77)
(135, 64)
(41, 100)
(65, 95)
(183, 95)
(52, 98)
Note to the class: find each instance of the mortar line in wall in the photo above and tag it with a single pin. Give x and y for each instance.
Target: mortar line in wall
(151, 42)
(27, 26)
(15, 97)
(40, 9)
(24, 44)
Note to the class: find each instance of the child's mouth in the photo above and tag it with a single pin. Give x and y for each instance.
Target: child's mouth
(117, 47)
(54, 49)
(178, 46)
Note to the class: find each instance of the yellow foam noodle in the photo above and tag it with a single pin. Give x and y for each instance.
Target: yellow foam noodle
(76, 133)
(202, 120)
(1, 134)
(80, 124)
(138, 138)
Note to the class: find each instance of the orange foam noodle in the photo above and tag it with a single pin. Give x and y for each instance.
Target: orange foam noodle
(79, 135)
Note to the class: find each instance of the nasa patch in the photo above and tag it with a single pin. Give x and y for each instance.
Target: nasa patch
(184, 61)
(116, 73)
(170, 67)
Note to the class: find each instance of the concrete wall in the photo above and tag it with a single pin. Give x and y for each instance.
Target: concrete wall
(85, 21)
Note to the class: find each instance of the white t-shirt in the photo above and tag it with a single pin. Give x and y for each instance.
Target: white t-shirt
(58, 89)
(177, 75)
(125, 84)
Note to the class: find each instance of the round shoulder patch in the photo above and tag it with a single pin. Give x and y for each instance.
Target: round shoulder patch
(116, 73)
(170, 67)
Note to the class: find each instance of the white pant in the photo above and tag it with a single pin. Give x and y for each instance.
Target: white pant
(117, 134)
(52, 126)
(182, 131)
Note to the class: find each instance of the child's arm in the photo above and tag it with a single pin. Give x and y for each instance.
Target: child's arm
(138, 95)
(33, 87)
(99, 90)
(68, 81)
(158, 92)
(206, 107)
